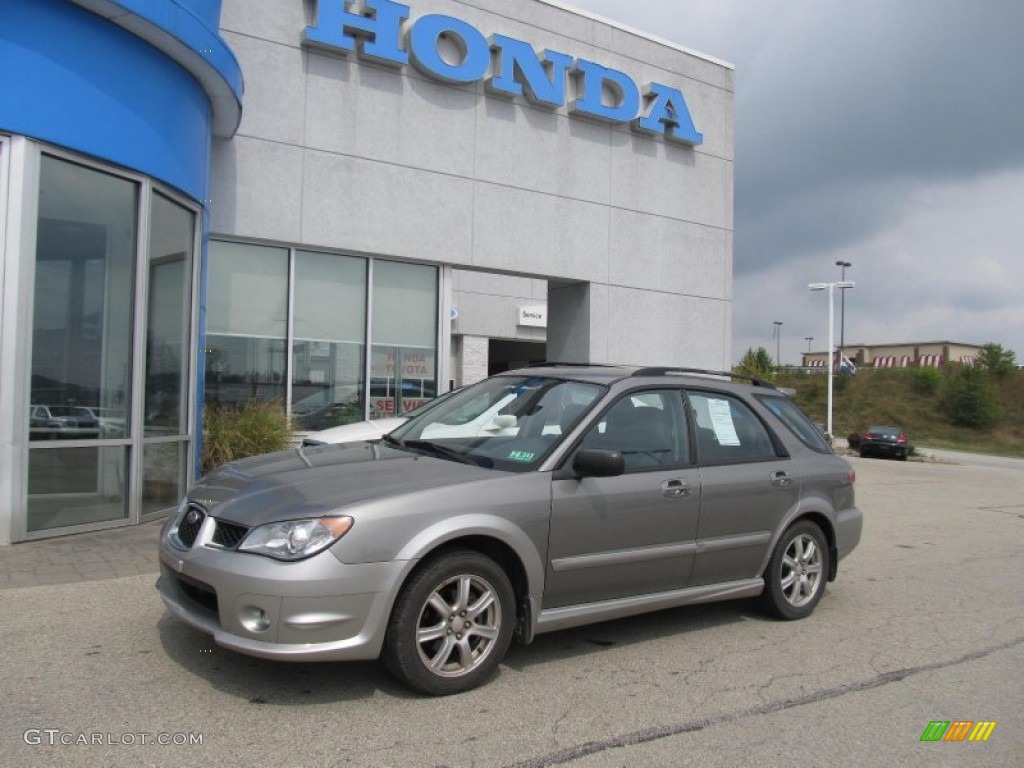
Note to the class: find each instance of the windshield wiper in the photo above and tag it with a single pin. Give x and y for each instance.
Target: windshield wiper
(393, 441)
(440, 451)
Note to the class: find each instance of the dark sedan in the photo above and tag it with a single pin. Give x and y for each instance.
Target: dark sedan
(885, 441)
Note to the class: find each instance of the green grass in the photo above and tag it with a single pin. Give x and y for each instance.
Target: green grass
(899, 397)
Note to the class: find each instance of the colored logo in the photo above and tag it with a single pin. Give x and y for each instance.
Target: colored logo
(450, 50)
(958, 730)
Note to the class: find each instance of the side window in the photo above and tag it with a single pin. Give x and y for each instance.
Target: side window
(647, 428)
(727, 430)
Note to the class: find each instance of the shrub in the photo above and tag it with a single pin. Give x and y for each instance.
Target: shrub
(853, 440)
(925, 381)
(969, 398)
(230, 433)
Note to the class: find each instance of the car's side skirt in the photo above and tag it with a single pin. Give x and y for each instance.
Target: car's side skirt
(577, 615)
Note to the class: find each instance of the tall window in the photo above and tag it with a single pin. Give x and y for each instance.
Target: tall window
(247, 323)
(168, 333)
(328, 346)
(403, 367)
(81, 345)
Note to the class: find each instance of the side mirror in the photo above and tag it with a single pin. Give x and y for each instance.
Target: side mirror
(591, 462)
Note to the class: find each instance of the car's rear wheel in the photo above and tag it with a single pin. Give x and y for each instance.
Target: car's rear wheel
(451, 625)
(797, 573)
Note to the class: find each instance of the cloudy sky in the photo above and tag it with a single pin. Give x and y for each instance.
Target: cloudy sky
(886, 133)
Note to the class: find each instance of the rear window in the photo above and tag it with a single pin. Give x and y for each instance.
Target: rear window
(796, 421)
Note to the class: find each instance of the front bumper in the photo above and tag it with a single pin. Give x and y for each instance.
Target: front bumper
(317, 609)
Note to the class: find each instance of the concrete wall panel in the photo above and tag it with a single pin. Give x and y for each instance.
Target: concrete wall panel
(380, 208)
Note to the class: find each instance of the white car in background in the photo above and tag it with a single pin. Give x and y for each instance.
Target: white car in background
(361, 431)
(356, 432)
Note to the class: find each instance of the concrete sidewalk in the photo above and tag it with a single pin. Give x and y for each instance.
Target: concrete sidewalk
(109, 554)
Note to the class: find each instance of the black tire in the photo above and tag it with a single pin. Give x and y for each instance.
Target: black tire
(795, 578)
(863, 453)
(457, 650)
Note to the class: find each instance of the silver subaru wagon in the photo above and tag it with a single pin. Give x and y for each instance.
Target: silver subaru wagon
(536, 500)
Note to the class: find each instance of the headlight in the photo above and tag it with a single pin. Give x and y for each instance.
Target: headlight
(295, 539)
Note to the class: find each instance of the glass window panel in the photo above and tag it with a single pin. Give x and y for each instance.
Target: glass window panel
(172, 231)
(84, 284)
(163, 472)
(327, 352)
(403, 364)
(247, 322)
(247, 293)
(240, 369)
(404, 304)
(76, 486)
(728, 431)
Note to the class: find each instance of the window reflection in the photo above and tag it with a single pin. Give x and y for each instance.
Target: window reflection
(167, 330)
(84, 283)
(75, 486)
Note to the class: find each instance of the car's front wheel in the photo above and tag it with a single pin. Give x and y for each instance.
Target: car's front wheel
(451, 625)
(796, 575)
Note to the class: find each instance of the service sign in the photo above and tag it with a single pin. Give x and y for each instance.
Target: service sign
(534, 317)
(384, 32)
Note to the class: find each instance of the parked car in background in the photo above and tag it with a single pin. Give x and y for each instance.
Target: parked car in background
(68, 422)
(885, 441)
(584, 494)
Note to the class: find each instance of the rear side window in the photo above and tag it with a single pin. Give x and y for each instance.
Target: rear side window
(796, 421)
(728, 431)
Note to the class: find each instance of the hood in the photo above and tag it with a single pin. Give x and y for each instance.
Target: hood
(309, 482)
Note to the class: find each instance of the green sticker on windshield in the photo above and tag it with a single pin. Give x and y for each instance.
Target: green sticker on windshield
(521, 456)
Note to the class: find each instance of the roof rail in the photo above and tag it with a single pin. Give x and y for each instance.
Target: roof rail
(663, 370)
(569, 365)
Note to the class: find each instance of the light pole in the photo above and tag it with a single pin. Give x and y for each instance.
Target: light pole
(778, 344)
(808, 339)
(831, 288)
(842, 311)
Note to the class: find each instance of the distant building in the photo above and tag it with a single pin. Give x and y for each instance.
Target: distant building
(901, 355)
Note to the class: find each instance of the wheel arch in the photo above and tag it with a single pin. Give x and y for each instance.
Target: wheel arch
(824, 522)
(495, 538)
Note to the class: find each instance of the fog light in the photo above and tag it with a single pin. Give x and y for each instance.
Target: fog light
(254, 619)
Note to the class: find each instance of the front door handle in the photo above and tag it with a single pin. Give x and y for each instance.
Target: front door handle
(674, 488)
(781, 479)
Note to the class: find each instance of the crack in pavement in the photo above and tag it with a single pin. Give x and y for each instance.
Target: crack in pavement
(655, 733)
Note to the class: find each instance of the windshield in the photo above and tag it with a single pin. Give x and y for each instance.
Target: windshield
(507, 422)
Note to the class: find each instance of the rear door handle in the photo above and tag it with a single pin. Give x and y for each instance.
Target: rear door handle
(673, 488)
(781, 479)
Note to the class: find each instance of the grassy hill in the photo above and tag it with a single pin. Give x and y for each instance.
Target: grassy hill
(918, 402)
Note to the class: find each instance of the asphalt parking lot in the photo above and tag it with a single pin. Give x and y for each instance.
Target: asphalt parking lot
(925, 623)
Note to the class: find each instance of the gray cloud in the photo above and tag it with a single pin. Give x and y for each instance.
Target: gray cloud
(889, 134)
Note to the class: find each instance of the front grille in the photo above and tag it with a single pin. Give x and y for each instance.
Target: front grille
(228, 535)
(190, 524)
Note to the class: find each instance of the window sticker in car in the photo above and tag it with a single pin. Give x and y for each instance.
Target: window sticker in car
(521, 456)
(721, 422)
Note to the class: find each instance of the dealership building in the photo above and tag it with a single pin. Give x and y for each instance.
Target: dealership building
(343, 206)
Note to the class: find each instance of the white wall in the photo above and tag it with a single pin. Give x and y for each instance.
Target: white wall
(338, 153)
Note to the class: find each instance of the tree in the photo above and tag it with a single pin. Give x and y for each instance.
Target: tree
(757, 363)
(996, 360)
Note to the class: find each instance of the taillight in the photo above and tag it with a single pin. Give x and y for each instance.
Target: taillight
(901, 439)
(853, 475)
(869, 436)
